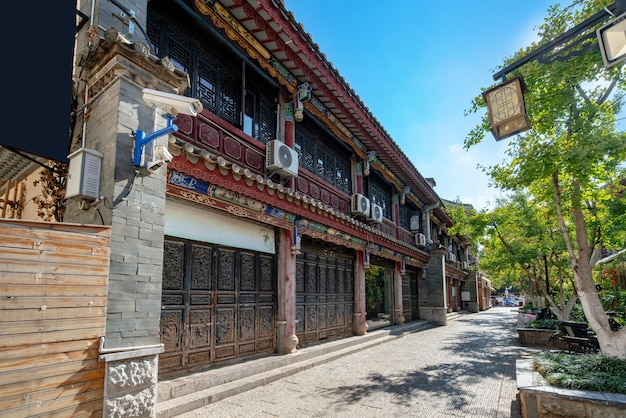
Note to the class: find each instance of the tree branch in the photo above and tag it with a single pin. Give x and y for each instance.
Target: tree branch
(559, 213)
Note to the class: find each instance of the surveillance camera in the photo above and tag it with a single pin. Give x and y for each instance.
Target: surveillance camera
(173, 103)
(162, 153)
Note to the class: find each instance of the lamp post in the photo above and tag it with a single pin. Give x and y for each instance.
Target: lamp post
(619, 6)
(505, 102)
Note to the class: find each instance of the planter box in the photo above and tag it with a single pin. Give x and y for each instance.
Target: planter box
(539, 337)
(539, 400)
(524, 318)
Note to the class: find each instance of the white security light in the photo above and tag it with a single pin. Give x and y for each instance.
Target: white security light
(612, 41)
(173, 103)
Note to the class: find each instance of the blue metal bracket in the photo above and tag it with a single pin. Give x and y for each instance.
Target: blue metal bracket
(141, 139)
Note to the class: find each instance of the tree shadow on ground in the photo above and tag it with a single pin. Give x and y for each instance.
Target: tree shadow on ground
(483, 348)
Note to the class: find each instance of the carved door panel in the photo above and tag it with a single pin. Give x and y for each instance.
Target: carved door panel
(410, 307)
(218, 303)
(406, 298)
(199, 303)
(187, 305)
(324, 296)
(415, 309)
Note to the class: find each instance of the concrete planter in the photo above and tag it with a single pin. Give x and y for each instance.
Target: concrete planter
(539, 400)
(537, 337)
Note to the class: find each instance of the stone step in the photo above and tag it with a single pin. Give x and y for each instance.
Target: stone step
(184, 394)
(456, 315)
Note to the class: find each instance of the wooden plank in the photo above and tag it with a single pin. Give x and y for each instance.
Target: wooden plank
(50, 337)
(50, 382)
(86, 410)
(11, 291)
(50, 325)
(57, 259)
(40, 271)
(52, 245)
(34, 397)
(21, 363)
(52, 314)
(35, 374)
(22, 302)
(65, 406)
(79, 233)
(45, 350)
(37, 279)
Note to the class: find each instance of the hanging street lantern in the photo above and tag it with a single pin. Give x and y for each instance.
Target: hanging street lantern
(507, 111)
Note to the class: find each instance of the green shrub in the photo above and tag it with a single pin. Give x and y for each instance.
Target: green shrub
(541, 324)
(593, 372)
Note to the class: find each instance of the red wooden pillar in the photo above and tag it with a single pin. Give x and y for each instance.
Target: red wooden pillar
(287, 339)
(360, 314)
(397, 290)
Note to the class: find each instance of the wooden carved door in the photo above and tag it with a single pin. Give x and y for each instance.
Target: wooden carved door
(324, 296)
(217, 303)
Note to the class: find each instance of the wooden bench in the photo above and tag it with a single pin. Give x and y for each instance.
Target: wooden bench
(578, 337)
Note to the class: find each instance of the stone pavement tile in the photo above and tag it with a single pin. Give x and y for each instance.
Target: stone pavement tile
(464, 369)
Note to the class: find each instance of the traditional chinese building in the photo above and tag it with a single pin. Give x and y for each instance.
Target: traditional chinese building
(278, 213)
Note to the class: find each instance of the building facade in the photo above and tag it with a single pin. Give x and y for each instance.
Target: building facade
(280, 215)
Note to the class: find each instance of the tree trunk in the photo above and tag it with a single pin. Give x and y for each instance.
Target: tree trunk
(612, 344)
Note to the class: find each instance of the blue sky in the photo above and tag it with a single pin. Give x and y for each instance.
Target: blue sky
(417, 65)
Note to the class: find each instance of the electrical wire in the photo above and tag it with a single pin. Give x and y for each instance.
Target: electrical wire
(119, 200)
(101, 217)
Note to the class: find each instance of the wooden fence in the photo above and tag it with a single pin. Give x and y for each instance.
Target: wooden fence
(12, 199)
(53, 301)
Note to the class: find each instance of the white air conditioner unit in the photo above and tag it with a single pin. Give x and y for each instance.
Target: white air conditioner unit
(452, 257)
(360, 205)
(464, 265)
(420, 239)
(376, 213)
(281, 159)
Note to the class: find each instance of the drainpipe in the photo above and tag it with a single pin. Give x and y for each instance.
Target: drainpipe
(426, 214)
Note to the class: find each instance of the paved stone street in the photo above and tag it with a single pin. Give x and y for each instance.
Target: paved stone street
(464, 369)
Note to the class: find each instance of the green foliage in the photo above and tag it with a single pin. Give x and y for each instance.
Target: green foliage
(541, 324)
(569, 166)
(519, 238)
(374, 288)
(593, 372)
(615, 218)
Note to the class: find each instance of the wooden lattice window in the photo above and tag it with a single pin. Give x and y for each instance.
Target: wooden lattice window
(316, 156)
(379, 194)
(215, 73)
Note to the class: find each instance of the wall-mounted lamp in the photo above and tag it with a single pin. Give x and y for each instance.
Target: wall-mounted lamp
(302, 95)
(295, 246)
(369, 157)
(304, 92)
(405, 191)
(506, 107)
(171, 104)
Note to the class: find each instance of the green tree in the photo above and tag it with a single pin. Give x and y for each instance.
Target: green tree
(525, 236)
(573, 151)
